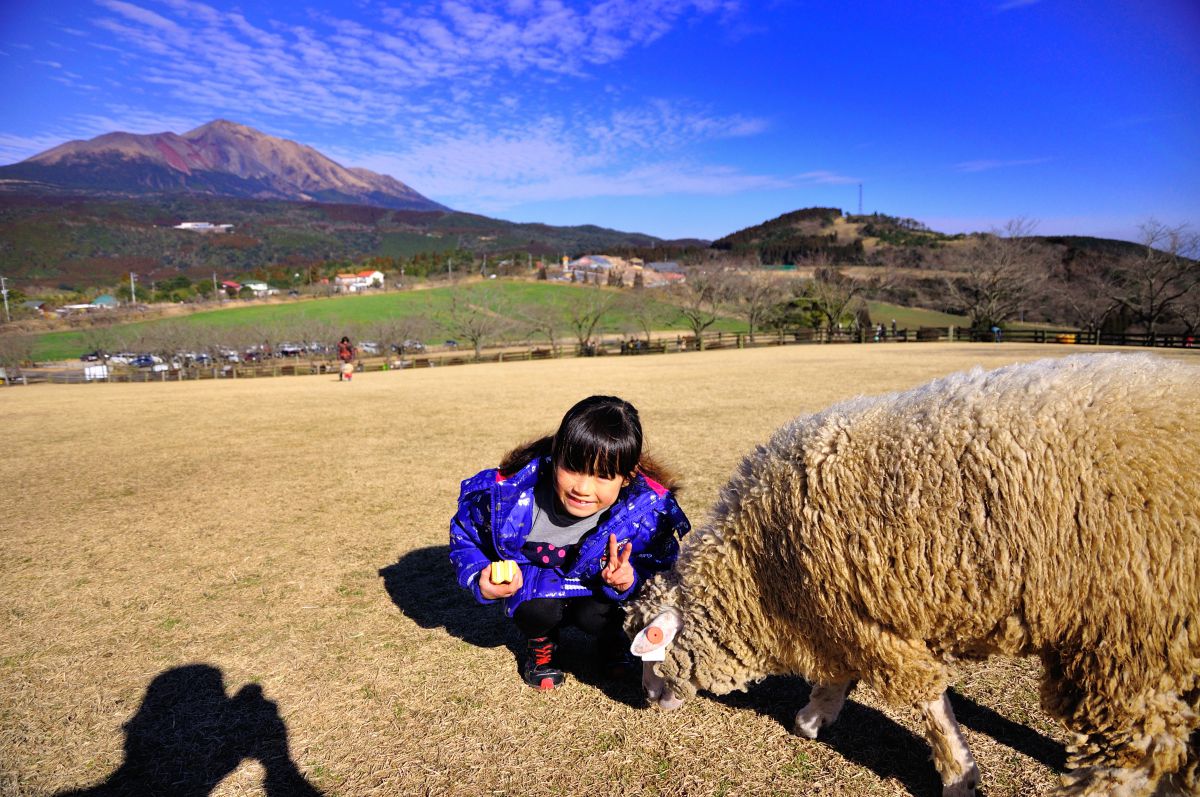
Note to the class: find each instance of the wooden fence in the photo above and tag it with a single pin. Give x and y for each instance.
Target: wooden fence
(606, 347)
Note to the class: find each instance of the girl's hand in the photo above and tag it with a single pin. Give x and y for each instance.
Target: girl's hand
(496, 591)
(618, 573)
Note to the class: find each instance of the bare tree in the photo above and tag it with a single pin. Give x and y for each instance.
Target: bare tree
(1188, 313)
(645, 309)
(1005, 270)
(165, 340)
(1083, 293)
(833, 296)
(1150, 285)
(478, 316)
(99, 339)
(701, 299)
(544, 319)
(585, 310)
(756, 295)
(16, 351)
(401, 334)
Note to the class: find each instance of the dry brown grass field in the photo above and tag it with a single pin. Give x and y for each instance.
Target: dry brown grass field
(242, 587)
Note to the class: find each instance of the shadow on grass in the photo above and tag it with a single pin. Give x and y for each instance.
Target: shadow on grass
(872, 740)
(187, 736)
(423, 586)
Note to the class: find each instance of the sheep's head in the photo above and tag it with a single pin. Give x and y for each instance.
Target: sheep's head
(654, 622)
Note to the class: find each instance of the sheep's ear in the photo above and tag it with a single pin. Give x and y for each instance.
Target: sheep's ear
(651, 642)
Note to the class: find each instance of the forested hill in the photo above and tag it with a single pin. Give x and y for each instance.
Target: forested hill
(827, 232)
(79, 241)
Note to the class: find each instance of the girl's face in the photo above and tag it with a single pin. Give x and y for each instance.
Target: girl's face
(583, 494)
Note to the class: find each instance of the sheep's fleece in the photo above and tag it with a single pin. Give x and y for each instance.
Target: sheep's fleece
(1049, 508)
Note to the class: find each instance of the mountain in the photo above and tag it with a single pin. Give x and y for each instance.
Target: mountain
(220, 158)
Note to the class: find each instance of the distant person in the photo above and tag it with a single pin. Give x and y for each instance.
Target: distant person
(584, 516)
(996, 333)
(345, 354)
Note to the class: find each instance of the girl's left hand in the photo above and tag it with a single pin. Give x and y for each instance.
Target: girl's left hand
(618, 573)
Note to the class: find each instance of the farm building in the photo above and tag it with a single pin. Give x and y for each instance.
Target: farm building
(353, 283)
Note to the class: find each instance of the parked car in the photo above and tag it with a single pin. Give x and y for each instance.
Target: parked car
(289, 349)
(195, 358)
(142, 361)
(410, 345)
(92, 356)
(452, 344)
(368, 347)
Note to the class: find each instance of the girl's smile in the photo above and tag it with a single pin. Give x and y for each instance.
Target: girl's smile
(585, 494)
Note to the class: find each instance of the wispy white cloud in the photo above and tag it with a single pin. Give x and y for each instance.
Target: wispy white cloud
(14, 148)
(989, 165)
(827, 178)
(1011, 5)
(480, 103)
(491, 170)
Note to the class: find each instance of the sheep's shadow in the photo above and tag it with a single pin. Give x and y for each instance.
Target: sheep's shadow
(871, 739)
(424, 588)
(188, 736)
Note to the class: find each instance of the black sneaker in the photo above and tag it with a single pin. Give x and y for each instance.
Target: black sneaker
(538, 671)
(615, 657)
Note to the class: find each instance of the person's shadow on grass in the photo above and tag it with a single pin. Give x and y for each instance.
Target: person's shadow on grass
(424, 587)
(188, 735)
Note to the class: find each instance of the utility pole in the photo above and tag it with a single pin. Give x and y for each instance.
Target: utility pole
(216, 294)
(4, 291)
(132, 289)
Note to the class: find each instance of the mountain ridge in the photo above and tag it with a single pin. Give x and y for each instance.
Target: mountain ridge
(219, 158)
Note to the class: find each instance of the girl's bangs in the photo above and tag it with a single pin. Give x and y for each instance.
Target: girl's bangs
(584, 451)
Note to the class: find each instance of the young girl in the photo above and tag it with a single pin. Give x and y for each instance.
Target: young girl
(586, 516)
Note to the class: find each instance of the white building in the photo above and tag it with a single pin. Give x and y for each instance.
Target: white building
(203, 226)
(353, 283)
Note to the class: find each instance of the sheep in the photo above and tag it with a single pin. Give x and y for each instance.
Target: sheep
(1050, 508)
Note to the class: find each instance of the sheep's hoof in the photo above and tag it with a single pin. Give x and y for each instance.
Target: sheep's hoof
(961, 788)
(807, 729)
(808, 723)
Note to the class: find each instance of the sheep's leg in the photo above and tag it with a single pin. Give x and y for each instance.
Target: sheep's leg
(1127, 745)
(951, 756)
(824, 705)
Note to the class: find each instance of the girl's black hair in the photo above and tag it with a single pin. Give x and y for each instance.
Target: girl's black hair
(601, 435)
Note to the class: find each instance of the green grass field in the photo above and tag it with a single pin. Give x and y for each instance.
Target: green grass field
(356, 313)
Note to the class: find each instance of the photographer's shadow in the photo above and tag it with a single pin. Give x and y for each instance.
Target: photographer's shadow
(424, 587)
(188, 736)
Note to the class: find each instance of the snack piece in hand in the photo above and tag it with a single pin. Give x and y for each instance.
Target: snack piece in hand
(504, 571)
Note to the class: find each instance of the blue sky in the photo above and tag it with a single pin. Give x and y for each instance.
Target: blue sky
(670, 117)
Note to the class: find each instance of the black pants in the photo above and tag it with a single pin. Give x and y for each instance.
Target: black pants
(600, 617)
